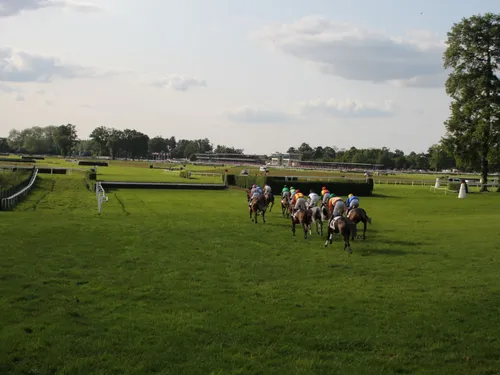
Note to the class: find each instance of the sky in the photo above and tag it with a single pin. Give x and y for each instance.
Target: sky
(258, 75)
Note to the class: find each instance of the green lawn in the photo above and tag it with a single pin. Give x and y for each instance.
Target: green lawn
(181, 282)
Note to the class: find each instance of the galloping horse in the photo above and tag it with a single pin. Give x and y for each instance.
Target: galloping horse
(269, 200)
(345, 227)
(357, 215)
(256, 205)
(285, 205)
(317, 216)
(303, 218)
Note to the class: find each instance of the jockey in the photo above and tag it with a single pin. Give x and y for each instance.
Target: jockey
(352, 202)
(326, 195)
(313, 199)
(267, 189)
(285, 192)
(336, 206)
(292, 191)
(299, 201)
(254, 193)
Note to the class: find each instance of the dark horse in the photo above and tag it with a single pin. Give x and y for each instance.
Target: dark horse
(269, 200)
(258, 205)
(285, 206)
(357, 215)
(343, 226)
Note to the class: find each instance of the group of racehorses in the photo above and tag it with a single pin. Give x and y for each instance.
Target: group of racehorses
(345, 225)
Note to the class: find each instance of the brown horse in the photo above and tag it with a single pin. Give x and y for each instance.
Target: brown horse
(357, 215)
(258, 205)
(303, 218)
(285, 206)
(343, 226)
(269, 200)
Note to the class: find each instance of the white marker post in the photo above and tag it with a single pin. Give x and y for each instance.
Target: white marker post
(461, 192)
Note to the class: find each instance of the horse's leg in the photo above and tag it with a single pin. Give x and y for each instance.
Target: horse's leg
(321, 227)
(293, 227)
(264, 216)
(364, 229)
(251, 212)
(304, 227)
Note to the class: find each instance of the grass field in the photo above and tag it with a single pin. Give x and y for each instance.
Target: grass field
(139, 171)
(181, 282)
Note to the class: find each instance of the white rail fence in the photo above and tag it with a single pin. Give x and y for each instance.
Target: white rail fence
(9, 203)
(101, 196)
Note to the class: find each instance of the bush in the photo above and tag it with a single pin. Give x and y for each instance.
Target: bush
(151, 166)
(93, 163)
(453, 186)
(185, 174)
(33, 157)
(361, 189)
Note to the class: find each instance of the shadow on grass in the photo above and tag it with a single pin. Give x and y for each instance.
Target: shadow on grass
(375, 195)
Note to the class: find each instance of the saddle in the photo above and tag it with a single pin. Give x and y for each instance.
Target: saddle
(335, 224)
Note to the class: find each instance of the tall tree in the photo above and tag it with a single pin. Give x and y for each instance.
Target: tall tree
(100, 136)
(473, 55)
(65, 138)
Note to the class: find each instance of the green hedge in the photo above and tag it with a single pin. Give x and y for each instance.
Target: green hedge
(247, 181)
(185, 174)
(361, 189)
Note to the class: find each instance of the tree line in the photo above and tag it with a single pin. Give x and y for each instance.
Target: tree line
(104, 141)
(132, 144)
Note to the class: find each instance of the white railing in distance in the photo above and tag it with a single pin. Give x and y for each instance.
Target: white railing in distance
(10, 202)
(101, 196)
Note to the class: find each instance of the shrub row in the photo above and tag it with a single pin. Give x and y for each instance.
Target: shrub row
(361, 189)
(93, 163)
(185, 174)
(4, 154)
(247, 181)
(339, 188)
(18, 160)
(33, 157)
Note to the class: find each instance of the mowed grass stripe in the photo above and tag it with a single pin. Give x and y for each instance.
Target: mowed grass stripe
(186, 284)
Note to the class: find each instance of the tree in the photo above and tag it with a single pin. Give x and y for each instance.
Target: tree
(473, 54)
(100, 136)
(65, 138)
(4, 145)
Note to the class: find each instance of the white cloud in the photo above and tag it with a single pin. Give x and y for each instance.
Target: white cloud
(256, 115)
(310, 108)
(21, 66)
(346, 108)
(14, 7)
(353, 53)
(179, 83)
